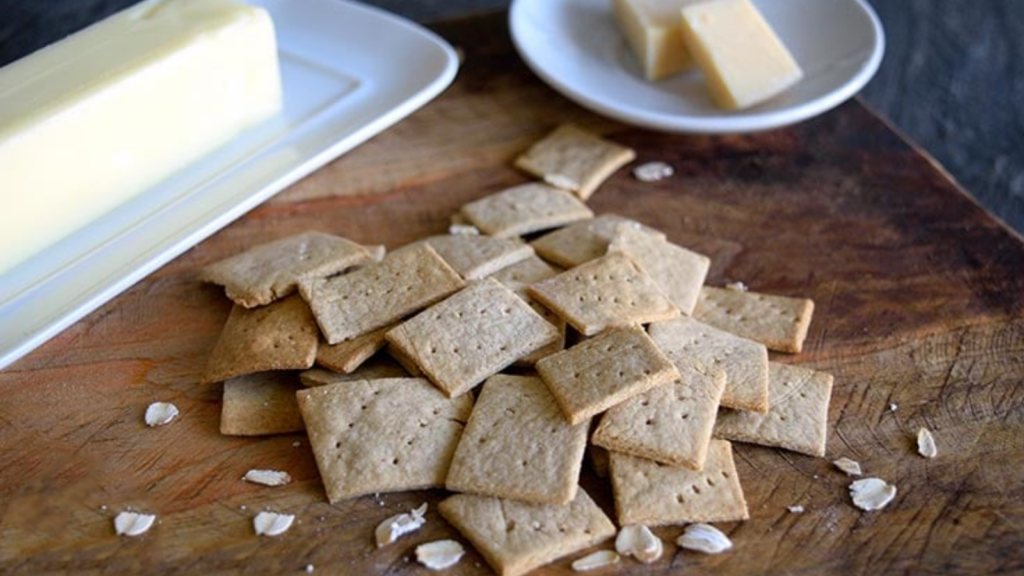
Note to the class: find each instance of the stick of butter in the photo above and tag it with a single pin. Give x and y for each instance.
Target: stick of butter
(92, 120)
(742, 59)
(652, 31)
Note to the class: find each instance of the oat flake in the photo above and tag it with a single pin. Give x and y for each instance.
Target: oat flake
(653, 171)
(704, 538)
(133, 523)
(267, 477)
(926, 444)
(872, 493)
(595, 561)
(850, 467)
(439, 554)
(272, 523)
(639, 542)
(160, 413)
(400, 524)
(463, 230)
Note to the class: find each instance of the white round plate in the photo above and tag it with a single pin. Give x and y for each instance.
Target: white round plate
(575, 46)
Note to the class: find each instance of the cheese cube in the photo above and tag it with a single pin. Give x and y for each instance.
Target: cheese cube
(742, 59)
(652, 31)
(91, 121)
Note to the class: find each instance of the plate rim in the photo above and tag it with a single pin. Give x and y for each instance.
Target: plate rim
(698, 125)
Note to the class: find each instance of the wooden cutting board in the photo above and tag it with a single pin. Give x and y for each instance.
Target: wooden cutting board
(919, 297)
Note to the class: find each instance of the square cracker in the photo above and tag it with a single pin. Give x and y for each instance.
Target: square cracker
(279, 336)
(574, 159)
(655, 494)
(383, 435)
(671, 424)
(516, 278)
(270, 271)
(378, 367)
(611, 291)
(778, 322)
(404, 282)
(525, 209)
(584, 241)
(476, 257)
(472, 335)
(517, 445)
(261, 404)
(350, 354)
(679, 272)
(744, 362)
(598, 373)
(797, 419)
(516, 537)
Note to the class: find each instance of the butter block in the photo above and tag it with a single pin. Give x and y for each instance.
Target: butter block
(742, 59)
(653, 32)
(90, 121)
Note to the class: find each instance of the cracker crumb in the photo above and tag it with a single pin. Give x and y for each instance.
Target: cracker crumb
(653, 171)
(398, 525)
(267, 477)
(130, 523)
(160, 413)
(296, 444)
(926, 444)
(849, 467)
(893, 407)
(704, 538)
(639, 542)
(309, 568)
(798, 509)
(737, 286)
(439, 554)
(596, 560)
(272, 523)
(872, 493)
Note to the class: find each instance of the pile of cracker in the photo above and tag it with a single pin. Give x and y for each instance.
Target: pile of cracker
(487, 364)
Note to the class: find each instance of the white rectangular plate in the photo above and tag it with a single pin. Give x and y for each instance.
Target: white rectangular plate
(349, 71)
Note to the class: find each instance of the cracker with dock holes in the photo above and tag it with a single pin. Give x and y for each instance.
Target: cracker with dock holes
(586, 240)
(797, 419)
(516, 537)
(278, 336)
(525, 209)
(516, 278)
(517, 445)
(744, 362)
(350, 354)
(603, 371)
(574, 159)
(271, 271)
(476, 257)
(679, 272)
(384, 435)
(261, 404)
(380, 294)
(609, 292)
(671, 424)
(778, 322)
(476, 333)
(655, 494)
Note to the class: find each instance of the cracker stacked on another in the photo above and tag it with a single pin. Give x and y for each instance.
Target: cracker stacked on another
(477, 361)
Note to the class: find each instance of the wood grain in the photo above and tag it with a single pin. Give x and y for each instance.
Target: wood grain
(920, 302)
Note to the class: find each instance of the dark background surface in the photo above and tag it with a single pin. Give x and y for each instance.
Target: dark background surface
(952, 78)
